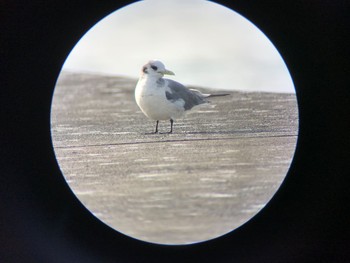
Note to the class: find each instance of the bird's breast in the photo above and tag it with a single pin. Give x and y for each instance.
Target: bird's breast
(147, 95)
(152, 100)
(145, 89)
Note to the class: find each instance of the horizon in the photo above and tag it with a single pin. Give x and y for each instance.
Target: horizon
(204, 43)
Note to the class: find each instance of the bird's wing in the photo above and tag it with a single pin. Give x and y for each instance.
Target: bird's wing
(176, 91)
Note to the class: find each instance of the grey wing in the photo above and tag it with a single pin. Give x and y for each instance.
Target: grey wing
(178, 91)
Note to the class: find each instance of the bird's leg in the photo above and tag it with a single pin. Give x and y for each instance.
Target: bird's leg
(156, 127)
(171, 125)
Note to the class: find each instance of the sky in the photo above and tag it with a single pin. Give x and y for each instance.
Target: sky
(205, 44)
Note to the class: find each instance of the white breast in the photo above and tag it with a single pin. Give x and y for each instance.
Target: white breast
(152, 101)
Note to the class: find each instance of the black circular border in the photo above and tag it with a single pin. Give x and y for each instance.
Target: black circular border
(42, 221)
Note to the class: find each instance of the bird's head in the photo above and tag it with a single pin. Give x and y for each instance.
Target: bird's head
(156, 68)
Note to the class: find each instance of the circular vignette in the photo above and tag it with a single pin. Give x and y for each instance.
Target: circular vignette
(91, 242)
(64, 150)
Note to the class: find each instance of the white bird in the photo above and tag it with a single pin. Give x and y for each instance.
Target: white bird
(165, 99)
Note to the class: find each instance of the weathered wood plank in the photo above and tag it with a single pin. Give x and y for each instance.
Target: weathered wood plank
(222, 164)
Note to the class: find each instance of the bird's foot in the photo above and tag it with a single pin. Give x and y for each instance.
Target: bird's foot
(151, 133)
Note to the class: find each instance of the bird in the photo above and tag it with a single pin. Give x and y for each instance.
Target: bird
(165, 99)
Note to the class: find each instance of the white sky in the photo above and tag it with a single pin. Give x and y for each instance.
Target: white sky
(204, 43)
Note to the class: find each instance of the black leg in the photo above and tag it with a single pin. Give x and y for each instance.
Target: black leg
(171, 125)
(156, 127)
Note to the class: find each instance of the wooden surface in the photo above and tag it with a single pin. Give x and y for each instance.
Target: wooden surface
(221, 165)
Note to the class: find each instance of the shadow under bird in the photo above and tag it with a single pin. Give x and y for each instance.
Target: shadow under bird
(165, 99)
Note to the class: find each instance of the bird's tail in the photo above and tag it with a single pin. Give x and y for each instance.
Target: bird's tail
(204, 95)
(218, 95)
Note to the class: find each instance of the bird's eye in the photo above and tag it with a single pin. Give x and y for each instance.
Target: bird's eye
(154, 67)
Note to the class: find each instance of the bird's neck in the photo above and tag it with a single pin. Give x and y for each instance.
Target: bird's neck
(150, 78)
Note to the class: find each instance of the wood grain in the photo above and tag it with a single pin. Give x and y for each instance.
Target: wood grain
(221, 165)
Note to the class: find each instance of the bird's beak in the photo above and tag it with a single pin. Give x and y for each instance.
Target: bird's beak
(168, 72)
